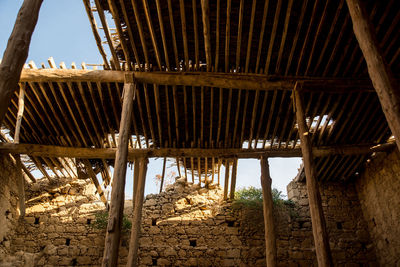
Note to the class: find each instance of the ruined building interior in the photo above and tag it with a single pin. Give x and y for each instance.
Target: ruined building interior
(205, 84)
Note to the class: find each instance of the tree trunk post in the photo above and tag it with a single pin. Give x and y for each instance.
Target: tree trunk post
(113, 234)
(226, 183)
(379, 71)
(321, 239)
(163, 174)
(19, 164)
(16, 53)
(137, 214)
(268, 209)
(233, 179)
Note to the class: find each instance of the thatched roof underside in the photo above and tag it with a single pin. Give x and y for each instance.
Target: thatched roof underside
(290, 39)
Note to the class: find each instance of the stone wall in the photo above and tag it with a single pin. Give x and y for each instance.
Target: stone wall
(8, 203)
(349, 239)
(378, 190)
(188, 226)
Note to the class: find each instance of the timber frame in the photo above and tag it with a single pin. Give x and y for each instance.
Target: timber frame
(210, 83)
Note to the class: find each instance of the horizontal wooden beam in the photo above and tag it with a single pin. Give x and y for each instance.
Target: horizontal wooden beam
(219, 80)
(109, 153)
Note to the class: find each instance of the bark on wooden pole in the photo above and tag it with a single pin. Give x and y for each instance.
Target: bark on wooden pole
(379, 71)
(15, 55)
(321, 239)
(268, 208)
(137, 214)
(113, 234)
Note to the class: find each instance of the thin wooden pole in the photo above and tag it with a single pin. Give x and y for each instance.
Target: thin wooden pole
(321, 239)
(110, 256)
(270, 236)
(15, 55)
(19, 164)
(226, 184)
(136, 169)
(379, 71)
(163, 174)
(178, 166)
(233, 179)
(137, 214)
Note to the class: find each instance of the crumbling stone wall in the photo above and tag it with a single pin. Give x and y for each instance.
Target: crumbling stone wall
(189, 226)
(378, 190)
(57, 229)
(8, 203)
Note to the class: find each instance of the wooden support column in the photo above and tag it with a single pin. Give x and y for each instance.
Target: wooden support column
(113, 234)
(163, 174)
(136, 169)
(137, 214)
(321, 239)
(15, 55)
(268, 208)
(226, 183)
(381, 76)
(21, 180)
(233, 179)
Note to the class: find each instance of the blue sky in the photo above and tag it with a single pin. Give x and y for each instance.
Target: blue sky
(63, 32)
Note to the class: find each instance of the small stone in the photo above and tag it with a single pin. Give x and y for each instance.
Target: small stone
(170, 252)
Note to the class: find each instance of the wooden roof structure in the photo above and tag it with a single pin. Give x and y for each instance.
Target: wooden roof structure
(205, 81)
(225, 82)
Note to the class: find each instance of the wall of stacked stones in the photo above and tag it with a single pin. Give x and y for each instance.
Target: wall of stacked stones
(8, 203)
(187, 226)
(378, 191)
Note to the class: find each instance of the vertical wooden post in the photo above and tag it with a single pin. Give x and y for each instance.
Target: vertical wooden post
(320, 234)
(226, 183)
(379, 72)
(21, 180)
(136, 169)
(137, 214)
(113, 234)
(268, 208)
(15, 55)
(178, 166)
(163, 174)
(233, 179)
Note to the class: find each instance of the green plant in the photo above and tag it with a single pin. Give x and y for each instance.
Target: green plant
(252, 197)
(101, 221)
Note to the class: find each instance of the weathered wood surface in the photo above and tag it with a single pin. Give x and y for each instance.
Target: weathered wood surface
(233, 179)
(268, 209)
(321, 239)
(137, 214)
(226, 182)
(205, 79)
(16, 53)
(109, 153)
(379, 71)
(113, 234)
